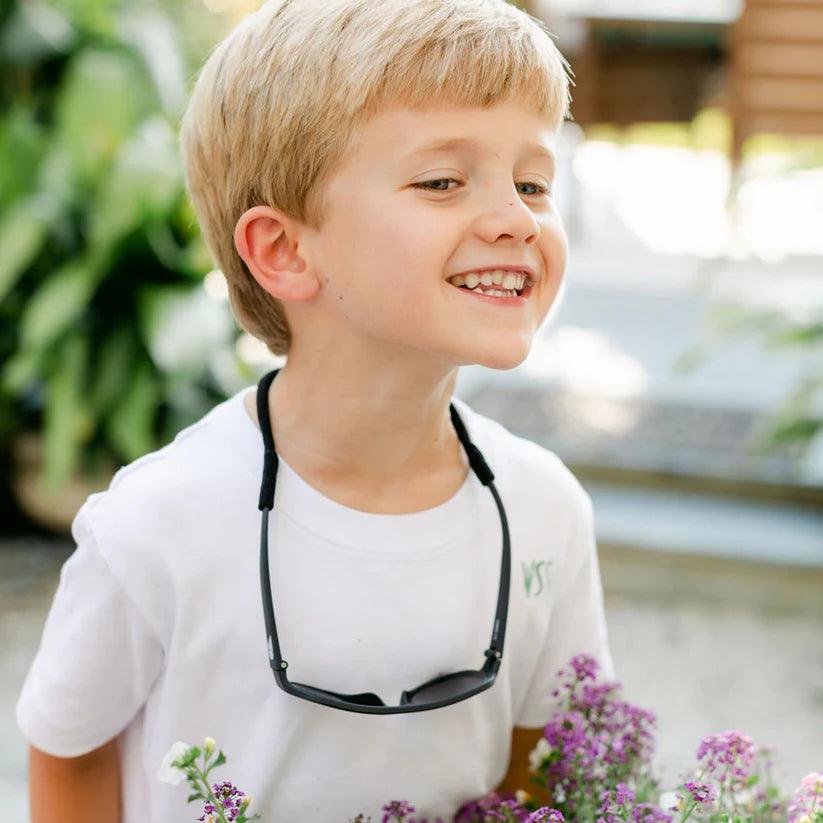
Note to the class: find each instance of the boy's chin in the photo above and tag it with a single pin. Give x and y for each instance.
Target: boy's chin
(501, 359)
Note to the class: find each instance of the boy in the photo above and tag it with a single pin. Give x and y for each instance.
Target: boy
(363, 171)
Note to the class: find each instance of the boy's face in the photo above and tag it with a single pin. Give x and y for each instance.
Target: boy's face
(383, 256)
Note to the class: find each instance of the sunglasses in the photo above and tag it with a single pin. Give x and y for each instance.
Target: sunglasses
(440, 691)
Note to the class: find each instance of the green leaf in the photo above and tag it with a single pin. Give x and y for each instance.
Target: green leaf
(111, 373)
(102, 99)
(22, 145)
(67, 424)
(802, 430)
(153, 36)
(20, 371)
(805, 334)
(186, 760)
(196, 260)
(58, 303)
(22, 232)
(130, 427)
(196, 796)
(143, 185)
(35, 33)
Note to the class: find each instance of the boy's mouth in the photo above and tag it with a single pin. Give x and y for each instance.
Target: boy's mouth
(497, 283)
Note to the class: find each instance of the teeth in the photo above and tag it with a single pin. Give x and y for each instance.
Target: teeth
(506, 279)
(510, 280)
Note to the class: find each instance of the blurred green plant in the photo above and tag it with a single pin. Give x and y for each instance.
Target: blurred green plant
(798, 419)
(108, 340)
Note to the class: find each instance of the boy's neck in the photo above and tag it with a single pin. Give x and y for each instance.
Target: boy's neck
(371, 459)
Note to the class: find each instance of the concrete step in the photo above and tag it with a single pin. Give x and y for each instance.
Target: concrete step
(648, 439)
(778, 533)
(708, 547)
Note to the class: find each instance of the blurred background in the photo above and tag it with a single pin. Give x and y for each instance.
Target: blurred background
(679, 375)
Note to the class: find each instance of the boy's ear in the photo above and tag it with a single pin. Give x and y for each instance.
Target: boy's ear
(264, 239)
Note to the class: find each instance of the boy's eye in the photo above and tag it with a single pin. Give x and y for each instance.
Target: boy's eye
(431, 185)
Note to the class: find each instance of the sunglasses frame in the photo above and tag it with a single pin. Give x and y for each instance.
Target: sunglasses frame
(370, 703)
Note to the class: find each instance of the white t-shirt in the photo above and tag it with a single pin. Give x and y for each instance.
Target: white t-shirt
(156, 631)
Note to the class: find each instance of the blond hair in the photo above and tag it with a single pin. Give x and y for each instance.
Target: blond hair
(278, 103)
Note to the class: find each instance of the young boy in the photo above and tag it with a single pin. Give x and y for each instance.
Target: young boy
(347, 160)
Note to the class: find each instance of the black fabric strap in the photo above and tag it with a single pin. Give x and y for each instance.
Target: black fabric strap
(270, 460)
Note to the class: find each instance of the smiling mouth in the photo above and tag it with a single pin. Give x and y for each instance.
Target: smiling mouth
(493, 283)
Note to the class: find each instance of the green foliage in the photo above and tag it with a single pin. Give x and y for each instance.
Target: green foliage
(799, 418)
(106, 331)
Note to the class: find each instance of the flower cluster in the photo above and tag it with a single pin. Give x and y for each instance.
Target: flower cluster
(490, 807)
(595, 742)
(724, 785)
(493, 807)
(807, 805)
(594, 765)
(222, 802)
(727, 757)
(229, 799)
(620, 804)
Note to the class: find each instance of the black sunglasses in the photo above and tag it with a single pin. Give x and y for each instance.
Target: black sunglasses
(442, 690)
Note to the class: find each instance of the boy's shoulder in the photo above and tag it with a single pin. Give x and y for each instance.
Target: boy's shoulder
(188, 474)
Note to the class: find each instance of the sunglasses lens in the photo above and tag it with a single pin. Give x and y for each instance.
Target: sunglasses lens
(447, 687)
(363, 699)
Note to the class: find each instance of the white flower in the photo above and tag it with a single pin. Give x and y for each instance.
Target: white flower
(209, 745)
(538, 753)
(168, 773)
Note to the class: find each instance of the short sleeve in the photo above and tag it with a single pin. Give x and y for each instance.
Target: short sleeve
(97, 658)
(577, 622)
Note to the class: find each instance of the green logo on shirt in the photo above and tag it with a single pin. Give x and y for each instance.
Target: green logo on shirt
(533, 576)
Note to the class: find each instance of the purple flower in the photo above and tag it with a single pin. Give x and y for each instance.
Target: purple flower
(493, 806)
(808, 797)
(619, 796)
(585, 667)
(593, 742)
(728, 756)
(229, 798)
(649, 813)
(396, 811)
(704, 793)
(546, 815)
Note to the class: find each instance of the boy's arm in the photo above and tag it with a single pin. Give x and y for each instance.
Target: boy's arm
(518, 776)
(83, 789)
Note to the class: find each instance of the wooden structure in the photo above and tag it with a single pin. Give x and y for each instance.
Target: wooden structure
(762, 62)
(633, 71)
(776, 70)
